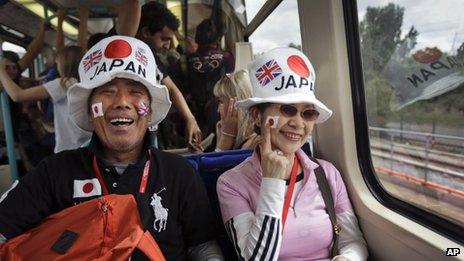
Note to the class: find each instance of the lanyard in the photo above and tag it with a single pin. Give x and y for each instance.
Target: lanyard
(143, 181)
(288, 195)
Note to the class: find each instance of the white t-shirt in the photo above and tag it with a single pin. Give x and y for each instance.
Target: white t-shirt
(67, 134)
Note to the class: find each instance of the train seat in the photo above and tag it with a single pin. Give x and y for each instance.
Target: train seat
(210, 166)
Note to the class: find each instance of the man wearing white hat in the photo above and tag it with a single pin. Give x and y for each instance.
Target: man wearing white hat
(118, 98)
(278, 204)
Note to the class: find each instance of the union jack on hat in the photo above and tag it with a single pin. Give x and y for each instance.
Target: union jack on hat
(268, 72)
(140, 56)
(91, 59)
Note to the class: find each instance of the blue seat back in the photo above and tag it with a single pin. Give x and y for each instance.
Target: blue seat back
(210, 166)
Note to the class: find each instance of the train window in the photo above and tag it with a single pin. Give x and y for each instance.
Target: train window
(281, 28)
(252, 7)
(7, 46)
(413, 72)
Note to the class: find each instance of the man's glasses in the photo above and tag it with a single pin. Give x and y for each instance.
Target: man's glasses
(290, 111)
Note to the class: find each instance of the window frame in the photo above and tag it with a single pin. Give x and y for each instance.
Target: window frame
(266, 10)
(430, 220)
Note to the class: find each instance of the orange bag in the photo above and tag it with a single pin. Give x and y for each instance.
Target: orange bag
(106, 228)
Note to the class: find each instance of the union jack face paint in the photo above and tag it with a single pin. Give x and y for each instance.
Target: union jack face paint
(143, 109)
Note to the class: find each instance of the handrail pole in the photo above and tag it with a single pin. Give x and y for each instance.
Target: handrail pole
(8, 127)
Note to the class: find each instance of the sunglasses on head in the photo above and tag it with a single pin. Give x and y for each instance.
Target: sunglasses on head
(290, 111)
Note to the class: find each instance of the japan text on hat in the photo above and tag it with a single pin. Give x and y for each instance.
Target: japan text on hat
(284, 75)
(117, 57)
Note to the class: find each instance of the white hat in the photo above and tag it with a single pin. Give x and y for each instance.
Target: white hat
(117, 57)
(284, 75)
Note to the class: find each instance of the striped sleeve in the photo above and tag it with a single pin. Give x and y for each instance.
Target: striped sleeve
(257, 236)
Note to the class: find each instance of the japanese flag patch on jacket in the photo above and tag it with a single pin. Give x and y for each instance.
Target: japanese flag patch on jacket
(86, 188)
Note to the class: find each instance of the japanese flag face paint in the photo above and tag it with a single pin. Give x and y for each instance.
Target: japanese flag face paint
(97, 109)
(143, 109)
(272, 121)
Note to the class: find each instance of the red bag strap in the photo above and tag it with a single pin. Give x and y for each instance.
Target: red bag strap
(96, 170)
(150, 248)
(143, 181)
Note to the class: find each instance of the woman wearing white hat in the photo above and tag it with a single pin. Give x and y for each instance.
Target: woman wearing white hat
(279, 203)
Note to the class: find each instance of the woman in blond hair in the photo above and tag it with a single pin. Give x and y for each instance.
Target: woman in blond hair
(234, 130)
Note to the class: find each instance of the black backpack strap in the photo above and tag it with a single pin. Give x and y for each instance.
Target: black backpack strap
(329, 205)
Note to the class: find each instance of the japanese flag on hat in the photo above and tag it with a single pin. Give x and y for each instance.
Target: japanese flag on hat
(284, 75)
(117, 57)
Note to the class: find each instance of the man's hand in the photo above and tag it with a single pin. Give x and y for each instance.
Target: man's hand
(193, 134)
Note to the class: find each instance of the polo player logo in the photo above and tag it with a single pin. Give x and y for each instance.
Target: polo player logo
(161, 213)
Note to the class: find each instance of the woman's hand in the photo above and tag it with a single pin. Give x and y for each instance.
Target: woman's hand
(273, 162)
(193, 134)
(218, 130)
(229, 120)
(226, 128)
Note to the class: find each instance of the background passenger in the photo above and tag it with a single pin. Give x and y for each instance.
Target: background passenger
(234, 130)
(67, 134)
(271, 204)
(14, 66)
(157, 27)
(27, 130)
(205, 67)
(26, 118)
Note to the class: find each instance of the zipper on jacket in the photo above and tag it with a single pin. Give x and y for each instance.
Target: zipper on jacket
(104, 210)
